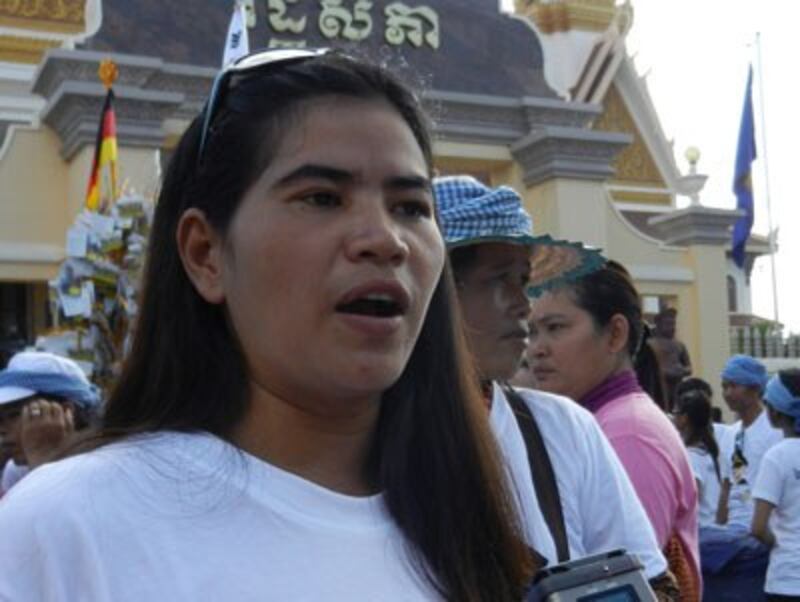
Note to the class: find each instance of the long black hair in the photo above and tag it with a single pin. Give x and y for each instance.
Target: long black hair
(649, 374)
(695, 405)
(433, 455)
(608, 292)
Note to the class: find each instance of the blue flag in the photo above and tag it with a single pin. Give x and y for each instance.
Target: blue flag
(742, 180)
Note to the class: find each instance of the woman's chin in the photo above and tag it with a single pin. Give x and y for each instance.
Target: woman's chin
(374, 379)
(552, 385)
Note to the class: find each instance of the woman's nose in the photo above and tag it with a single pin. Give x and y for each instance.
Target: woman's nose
(516, 300)
(375, 236)
(537, 347)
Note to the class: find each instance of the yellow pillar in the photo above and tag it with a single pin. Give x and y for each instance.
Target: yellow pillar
(711, 318)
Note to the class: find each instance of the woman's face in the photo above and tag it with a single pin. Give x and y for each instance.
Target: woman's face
(567, 353)
(332, 258)
(681, 421)
(491, 294)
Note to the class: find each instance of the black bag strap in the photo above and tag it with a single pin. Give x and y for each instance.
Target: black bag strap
(544, 478)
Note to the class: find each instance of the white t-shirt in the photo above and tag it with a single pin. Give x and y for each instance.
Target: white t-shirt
(12, 474)
(190, 517)
(721, 431)
(706, 475)
(756, 439)
(778, 483)
(601, 509)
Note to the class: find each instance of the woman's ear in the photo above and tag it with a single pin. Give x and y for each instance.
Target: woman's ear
(618, 329)
(201, 251)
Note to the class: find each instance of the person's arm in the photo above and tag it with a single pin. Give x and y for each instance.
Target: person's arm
(760, 525)
(768, 494)
(722, 504)
(684, 360)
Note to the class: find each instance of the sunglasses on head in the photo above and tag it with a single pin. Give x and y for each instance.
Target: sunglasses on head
(258, 61)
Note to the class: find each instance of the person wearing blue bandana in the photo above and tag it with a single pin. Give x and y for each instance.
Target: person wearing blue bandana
(734, 562)
(746, 442)
(44, 398)
(776, 520)
(493, 254)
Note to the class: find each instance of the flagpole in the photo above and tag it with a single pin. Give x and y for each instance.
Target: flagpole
(772, 249)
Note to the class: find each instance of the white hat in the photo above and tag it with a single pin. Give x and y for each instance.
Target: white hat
(40, 362)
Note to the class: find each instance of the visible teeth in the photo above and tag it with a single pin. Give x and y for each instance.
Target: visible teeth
(379, 297)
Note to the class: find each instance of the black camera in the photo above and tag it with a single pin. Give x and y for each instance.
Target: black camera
(610, 577)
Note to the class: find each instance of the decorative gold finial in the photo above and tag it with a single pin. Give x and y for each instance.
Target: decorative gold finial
(108, 73)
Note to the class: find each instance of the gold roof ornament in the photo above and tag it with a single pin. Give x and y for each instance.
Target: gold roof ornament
(108, 73)
(31, 27)
(552, 16)
(43, 16)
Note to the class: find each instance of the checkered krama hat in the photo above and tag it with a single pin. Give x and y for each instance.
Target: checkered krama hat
(471, 212)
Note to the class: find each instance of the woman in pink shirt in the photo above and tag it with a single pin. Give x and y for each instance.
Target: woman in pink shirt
(584, 340)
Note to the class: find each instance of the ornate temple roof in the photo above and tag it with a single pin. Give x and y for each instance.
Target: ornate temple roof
(454, 45)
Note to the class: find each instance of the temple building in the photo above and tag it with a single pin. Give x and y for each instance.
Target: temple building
(546, 100)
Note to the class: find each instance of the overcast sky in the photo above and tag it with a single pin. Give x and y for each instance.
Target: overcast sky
(695, 54)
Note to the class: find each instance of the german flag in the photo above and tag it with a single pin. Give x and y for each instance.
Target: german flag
(102, 188)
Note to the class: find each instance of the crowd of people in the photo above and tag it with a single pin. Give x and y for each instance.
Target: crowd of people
(341, 385)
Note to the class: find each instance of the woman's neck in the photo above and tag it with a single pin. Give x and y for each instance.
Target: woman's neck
(787, 427)
(620, 381)
(329, 449)
(750, 413)
(694, 440)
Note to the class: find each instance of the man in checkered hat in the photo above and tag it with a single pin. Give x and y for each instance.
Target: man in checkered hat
(490, 242)
(44, 398)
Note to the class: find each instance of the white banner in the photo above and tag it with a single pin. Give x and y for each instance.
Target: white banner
(236, 44)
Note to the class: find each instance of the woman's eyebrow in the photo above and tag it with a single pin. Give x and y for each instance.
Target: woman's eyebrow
(410, 182)
(318, 172)
(550, 317)
(337, 175)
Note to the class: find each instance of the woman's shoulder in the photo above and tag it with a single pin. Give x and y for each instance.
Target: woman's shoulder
(88, 478)
(640, 427)
(698, 452)
(637, 413)
(700, 458)
(785, 450)
(556, 409)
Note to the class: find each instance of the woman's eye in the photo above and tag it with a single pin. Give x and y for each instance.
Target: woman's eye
(321, 199)
(554, 327)
(414, 209)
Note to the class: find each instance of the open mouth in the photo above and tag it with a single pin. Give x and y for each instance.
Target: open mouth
(373, 305)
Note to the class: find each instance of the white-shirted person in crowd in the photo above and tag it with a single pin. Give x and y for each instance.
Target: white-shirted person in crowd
(746, 442)
(694, 383)
(776, 519)
(296, 419)
(44, 399)
(586, 334)
(489, 239)
(692, 411)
